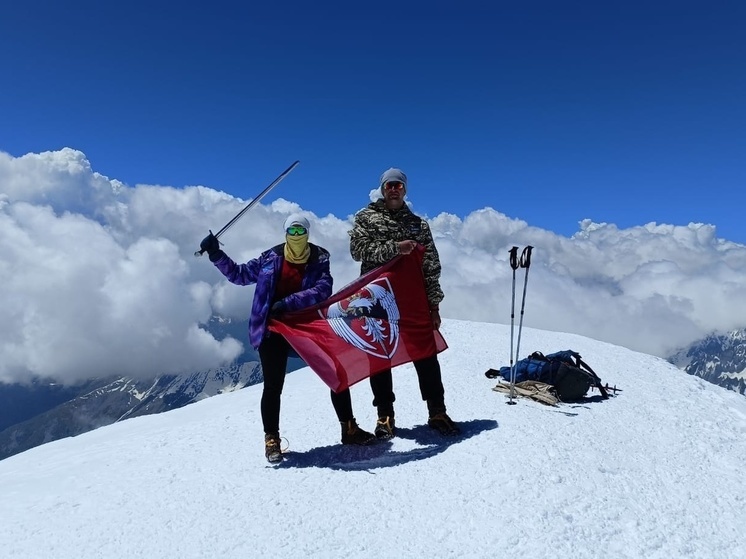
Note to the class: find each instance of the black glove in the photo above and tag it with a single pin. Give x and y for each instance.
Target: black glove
(211, 246)
(278, 308)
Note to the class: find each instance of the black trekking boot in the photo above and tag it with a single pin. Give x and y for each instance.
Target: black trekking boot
(385, 428)
(443, 424)
(352, 434)
(272, 449)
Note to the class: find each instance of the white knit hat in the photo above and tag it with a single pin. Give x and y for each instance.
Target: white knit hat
(296, 219)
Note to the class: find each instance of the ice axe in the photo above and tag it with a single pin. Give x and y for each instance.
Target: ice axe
(251, 204)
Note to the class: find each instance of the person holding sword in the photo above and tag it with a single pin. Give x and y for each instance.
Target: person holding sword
(290, 276)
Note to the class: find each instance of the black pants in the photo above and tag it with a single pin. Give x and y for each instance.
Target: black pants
(431, 387)
(273, 354)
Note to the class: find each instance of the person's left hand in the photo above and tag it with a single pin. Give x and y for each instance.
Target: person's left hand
(277, 309)
(435, 317)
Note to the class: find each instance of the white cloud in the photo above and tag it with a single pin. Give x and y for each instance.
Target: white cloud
(98, 277)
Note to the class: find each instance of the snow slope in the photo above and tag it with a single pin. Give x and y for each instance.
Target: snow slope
(656, 472)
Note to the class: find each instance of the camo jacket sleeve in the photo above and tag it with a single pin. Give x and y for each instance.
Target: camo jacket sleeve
(374, 241)
(431, 267)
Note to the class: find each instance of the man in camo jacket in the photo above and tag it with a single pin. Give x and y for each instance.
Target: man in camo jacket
(383, 230)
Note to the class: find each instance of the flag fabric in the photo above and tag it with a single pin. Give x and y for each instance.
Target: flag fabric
(378, 321)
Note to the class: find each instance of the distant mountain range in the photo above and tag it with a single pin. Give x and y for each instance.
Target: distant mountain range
(718, 358)
(40, 412)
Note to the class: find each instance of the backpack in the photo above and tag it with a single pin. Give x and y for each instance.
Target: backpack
(570, 376)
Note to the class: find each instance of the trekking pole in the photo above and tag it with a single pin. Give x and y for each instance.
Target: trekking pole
(525, 262)
(251, 204)
(514, 263)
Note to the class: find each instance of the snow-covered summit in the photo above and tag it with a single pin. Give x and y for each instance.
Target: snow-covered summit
(655, 472)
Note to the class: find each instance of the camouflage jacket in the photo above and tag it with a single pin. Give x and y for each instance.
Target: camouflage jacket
(374, 238)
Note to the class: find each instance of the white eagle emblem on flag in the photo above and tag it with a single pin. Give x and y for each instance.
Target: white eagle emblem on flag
(369, 319)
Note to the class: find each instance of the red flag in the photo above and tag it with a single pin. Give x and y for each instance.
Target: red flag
(379, 321)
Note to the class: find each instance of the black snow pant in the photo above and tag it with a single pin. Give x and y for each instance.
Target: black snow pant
(273, 355)
(431, 387)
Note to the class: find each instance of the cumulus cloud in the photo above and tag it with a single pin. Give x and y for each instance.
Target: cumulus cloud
(100, 278)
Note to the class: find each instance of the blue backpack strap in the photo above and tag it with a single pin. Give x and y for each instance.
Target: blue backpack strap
(597, 380)
(574, 358)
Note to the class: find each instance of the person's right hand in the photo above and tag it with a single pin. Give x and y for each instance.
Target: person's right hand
(405, 247)
(210, 245)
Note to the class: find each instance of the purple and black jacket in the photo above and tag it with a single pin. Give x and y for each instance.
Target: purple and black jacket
(265, 271)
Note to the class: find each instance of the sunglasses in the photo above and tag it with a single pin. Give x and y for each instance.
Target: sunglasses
(393, 185)
(296, 230)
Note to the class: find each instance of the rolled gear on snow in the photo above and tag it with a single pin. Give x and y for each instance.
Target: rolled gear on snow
(565, 371)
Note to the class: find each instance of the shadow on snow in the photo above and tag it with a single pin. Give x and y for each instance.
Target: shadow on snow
(381, 453)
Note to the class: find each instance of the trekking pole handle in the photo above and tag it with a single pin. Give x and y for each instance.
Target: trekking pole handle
(514, 262)
(526, 257)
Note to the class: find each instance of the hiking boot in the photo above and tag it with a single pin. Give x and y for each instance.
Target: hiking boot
(385, 427)
(443, 424)
(272, 448)
(352, 434)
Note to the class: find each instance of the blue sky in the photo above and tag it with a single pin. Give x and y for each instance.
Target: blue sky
(548, 112)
